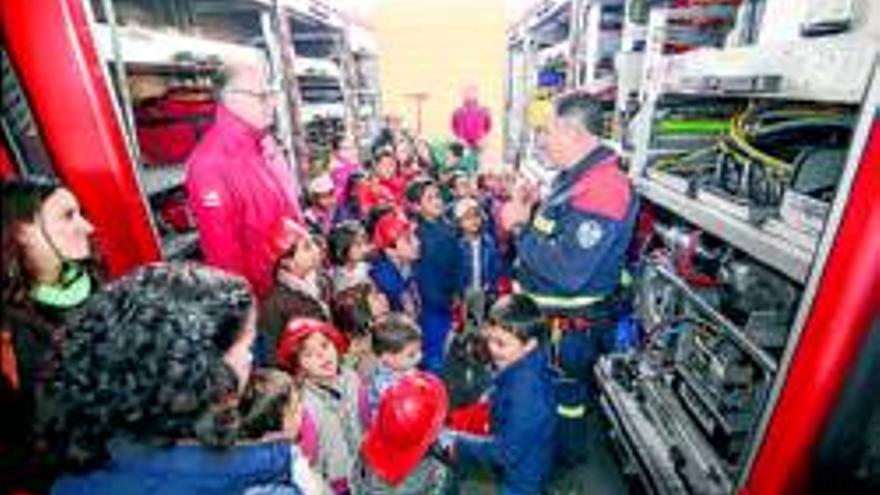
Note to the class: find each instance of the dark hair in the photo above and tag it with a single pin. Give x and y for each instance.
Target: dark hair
(586, 110)
(143, 359)
(351, 310)
(383, 152)
(21, 201)
(290, 252)
(417, 188)
(340, 240)
(457, 149)
(264, 402)
(336, 142)
(351, 186)
(373, 216)
(456, 176)
(519, 315)
(393, 332)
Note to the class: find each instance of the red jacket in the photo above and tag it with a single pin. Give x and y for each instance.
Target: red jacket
(238, 186)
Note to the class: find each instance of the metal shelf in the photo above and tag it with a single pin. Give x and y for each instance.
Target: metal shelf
(788, 258)
(732, 331)
(835, 69)
(143, 47)
(179, 246)
(160, 178)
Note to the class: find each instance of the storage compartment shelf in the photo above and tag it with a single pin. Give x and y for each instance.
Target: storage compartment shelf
(180, 246)
(157, 179)
(822, 70)
(791, 259)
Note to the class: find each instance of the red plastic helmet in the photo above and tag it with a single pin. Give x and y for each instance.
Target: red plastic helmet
(285, 233)
(391, 227)
(409, 419)
(296, 331)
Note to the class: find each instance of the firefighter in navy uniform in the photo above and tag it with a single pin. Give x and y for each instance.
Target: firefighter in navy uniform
(572, 246)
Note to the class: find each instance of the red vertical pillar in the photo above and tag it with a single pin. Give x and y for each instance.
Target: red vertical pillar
(839, 321)
(51, 47)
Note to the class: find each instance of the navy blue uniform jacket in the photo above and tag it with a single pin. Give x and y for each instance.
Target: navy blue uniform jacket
(578, 237)
(392, 283)
(523, 419)
(438, 269)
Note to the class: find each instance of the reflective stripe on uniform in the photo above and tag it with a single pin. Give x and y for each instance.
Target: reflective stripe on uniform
(571, 302)
(571, 412)
(546, 300)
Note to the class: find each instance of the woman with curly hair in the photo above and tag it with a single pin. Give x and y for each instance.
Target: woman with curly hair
(45, 242)
(147, 399)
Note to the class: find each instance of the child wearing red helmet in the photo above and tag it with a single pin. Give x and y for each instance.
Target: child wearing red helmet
(300, 288)
(332, 398)
(392, 270)
(395, 457)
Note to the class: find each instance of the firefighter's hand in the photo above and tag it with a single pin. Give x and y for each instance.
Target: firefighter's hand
(513, 214)
(525, 192)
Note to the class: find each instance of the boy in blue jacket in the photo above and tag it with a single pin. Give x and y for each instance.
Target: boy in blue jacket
(437, 271)
(522, 402)
(392, 270)
(480, 259)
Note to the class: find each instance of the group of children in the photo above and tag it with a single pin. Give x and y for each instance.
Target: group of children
(366, 296)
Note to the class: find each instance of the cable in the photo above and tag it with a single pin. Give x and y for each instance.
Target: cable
(738, 135)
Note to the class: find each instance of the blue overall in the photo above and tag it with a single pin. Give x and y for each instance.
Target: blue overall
(437, 275)
(523, 423)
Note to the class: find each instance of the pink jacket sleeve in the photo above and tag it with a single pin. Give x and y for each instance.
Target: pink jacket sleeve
(308, 436)
(217, 219)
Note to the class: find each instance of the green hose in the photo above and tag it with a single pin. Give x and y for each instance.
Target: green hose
(692, 126)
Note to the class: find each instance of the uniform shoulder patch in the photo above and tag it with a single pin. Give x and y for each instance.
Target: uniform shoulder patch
(604, 191)
(589, 233)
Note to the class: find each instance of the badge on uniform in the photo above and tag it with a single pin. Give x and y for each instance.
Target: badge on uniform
(589, 233)
(211, 199)
(543, 225)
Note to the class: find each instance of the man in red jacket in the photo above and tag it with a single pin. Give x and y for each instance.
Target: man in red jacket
(238, 181)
